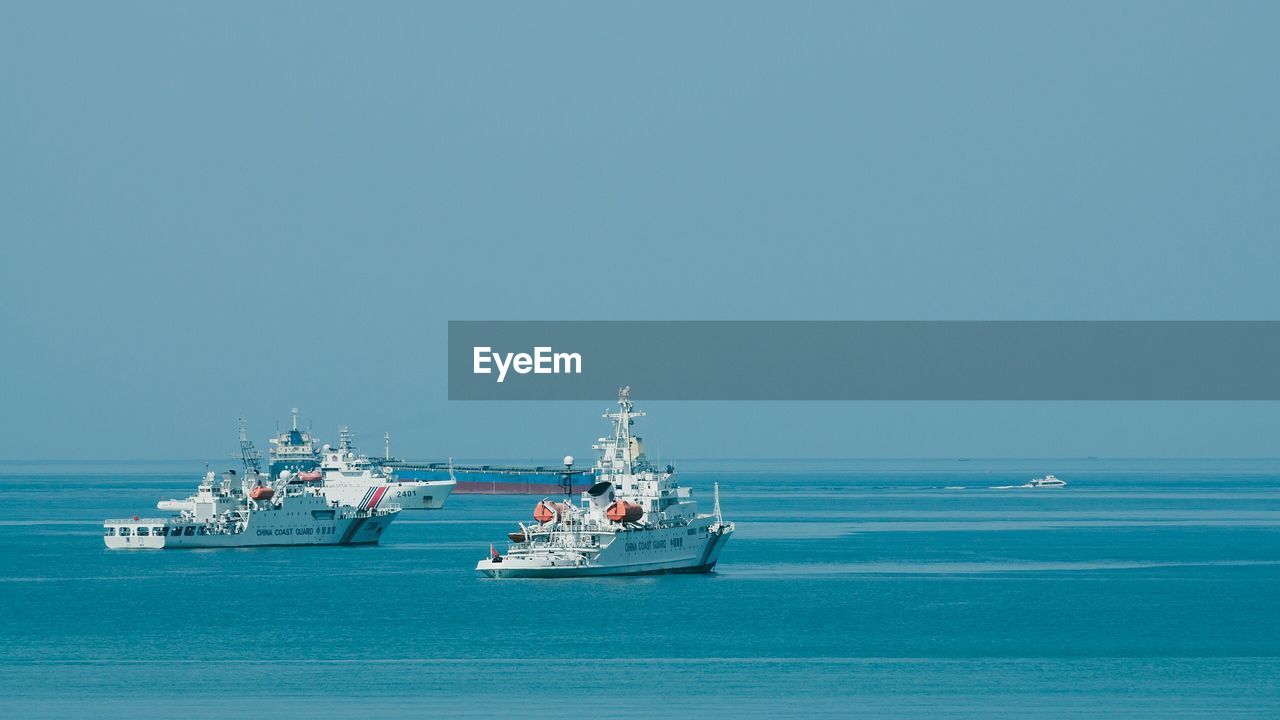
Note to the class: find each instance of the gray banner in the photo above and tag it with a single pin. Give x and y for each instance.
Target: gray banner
(865, 360)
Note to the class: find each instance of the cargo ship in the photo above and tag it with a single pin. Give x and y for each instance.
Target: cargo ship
(298, 452)
(495, 479)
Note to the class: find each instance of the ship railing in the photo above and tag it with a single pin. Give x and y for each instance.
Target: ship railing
(139, 521)
(527, 550)
(561, 540)
(370, 512)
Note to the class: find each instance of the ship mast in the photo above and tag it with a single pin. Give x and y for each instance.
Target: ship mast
(566, 479)
(617, 456)
(249, 454)
(716, 510)
(622, 421)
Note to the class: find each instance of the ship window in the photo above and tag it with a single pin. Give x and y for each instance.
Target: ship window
(204, 531)
(191, 530)
(124, 531)
(164, 530)
(109, 531)
(144, 531)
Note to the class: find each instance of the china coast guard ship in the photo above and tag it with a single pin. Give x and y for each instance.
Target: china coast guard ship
(349, 477)
(255, 511)
(356, 480)
(634, 520)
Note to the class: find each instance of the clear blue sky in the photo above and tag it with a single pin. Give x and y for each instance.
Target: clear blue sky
(224, 209)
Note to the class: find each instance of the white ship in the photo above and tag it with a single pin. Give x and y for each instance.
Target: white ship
(635, 520)
(348, 477)
(354, 479)
(1048, 481)
(251, 513)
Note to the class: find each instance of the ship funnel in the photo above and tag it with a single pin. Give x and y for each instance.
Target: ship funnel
(600, 495)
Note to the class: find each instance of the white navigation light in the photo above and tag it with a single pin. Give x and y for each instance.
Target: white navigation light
(568, 461)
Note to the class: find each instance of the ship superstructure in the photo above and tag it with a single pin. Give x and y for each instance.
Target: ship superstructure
(636, 519)
(294, 451)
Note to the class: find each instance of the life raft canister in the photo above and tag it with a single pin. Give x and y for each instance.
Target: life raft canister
(623, 511)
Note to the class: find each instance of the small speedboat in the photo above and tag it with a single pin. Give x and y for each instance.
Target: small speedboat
(1048, 481)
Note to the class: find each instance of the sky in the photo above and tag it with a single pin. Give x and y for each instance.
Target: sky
(216, 210)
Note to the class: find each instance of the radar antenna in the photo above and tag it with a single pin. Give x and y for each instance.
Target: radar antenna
(566, 479)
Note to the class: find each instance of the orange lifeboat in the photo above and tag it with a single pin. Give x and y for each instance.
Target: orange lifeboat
(623, 511)
(515, 537)
(310, 476)
(546, 511)
(261, 493)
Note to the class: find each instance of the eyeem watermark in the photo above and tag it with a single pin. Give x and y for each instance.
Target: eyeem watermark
(543, 361)
(867, 360)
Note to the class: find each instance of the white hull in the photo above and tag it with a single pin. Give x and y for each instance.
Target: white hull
(624, 552)
(409, 495)
(263, 528)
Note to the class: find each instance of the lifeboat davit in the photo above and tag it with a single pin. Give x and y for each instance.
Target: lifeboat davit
(310, 476)
(623, 511)
(261, 493)
(546, 511)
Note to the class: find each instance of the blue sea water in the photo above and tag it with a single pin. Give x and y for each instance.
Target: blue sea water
(851, 589)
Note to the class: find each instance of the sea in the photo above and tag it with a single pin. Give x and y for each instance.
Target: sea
(852, 588)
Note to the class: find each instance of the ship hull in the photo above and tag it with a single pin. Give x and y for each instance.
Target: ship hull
(473, 481)
(498, 571)
(273, 532)
(510, 487)
(629, 553)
